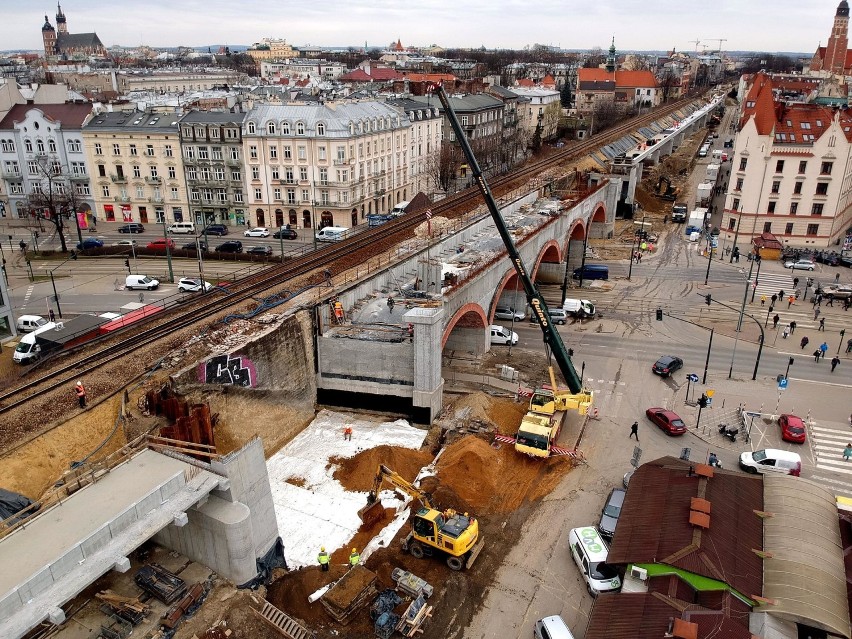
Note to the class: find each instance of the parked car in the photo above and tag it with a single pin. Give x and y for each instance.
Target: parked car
(258, 231)
(191, 247)
(89, 243)
(161, 244)
(192, 285)
(666, 365)
(508, 313)
(837, 292)
(216, 229)
(286, 233)
(259, 250)
(800, 265)
(610, 513)
(231, 246)
(668, 420)
(502, 335)
(792, 429)
(133, 227)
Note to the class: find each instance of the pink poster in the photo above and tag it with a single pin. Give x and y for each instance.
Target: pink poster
(126, 215)
(82, 219)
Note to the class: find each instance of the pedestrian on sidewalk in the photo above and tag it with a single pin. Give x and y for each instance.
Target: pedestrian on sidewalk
(790, 300)
(817, 353)
(823, 349)
(837, 278)
(763, 300)
(51, 315)
(834, 362)
(634, 431)
(775, 319)
(847, 452)
(821, 324)
(804, 342)
(816, 313)
(323, 558)
(785, 332)
(792, 328)
(80, 391)
(849, 346)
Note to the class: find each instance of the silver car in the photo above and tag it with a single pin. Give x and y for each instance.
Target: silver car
(800, 265)
(508, 313)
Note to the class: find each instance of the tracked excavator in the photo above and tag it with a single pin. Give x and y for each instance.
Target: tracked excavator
(540, 426)
(434, 532)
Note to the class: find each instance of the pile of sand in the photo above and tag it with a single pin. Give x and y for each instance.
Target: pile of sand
(358, 472)
(440, 226)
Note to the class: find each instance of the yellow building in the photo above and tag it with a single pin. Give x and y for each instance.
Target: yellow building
(272, 49)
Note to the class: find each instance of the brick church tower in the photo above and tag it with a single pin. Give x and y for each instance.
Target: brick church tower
(61, 23)
(48, 36)
(838, 43)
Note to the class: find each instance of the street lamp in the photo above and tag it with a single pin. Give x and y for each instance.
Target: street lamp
(53, 284)
(633, 245)
(168, 250)
(756, 277)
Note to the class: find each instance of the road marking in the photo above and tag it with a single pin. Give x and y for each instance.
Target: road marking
(842, 486)
(814, 381)
(835, 469)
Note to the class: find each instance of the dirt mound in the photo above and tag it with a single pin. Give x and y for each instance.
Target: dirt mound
(507, 414)
(358, 472)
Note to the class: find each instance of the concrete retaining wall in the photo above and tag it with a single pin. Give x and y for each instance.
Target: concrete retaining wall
(361, 366)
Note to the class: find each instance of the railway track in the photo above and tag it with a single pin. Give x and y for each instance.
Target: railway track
(336, 257)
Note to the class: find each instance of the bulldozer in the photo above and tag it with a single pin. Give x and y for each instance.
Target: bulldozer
(434, 533)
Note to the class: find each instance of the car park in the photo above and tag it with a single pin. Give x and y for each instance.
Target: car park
(285, 233)
(89, 243)
(800, 265)
(161, 244)
(191, 246)
(132, 227)
(792, 429)
(231, 246)
(501, 335)
(216, 229)
(192, 285)
(668, 420)
(610, 513)
(258, 231)
(508, 313)
(259, 250)
(666, 365)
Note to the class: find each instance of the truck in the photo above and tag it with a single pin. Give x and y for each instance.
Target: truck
(679, 211)
(28, 350)
(696, 221)
(703, 193)
(712, 172)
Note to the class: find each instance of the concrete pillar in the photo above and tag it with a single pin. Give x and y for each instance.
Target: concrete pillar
(429, 275)
(180, 520)
(575, 254)
(428, 383)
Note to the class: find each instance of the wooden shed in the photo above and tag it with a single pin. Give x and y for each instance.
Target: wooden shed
(767, 246)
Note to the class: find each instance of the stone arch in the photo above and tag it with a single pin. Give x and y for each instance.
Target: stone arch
(573, 248)
(599, 216)
(550, 253)
(509, 283)
(469, 316)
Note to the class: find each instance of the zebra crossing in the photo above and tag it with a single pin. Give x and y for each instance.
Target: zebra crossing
(770, 284)
(828, 444)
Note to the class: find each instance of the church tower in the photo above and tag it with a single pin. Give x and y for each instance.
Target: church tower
(48, 36)
(610, 61)
(61, 25)
(838, 43)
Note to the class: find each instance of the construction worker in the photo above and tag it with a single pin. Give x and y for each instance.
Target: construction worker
(323, 558)
(354, 558)
(338, 311)
(81, 393)
(347, 433)
(390, 303)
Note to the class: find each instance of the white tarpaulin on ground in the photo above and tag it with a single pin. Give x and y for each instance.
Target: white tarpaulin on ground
(320, 512)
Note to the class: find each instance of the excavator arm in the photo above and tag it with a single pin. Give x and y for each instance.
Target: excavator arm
(367, 513)
(534, 298)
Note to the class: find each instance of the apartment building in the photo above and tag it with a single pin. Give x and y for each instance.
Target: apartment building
(42, 152)
(425, 143)
(212, 151)
(178, 81)
(791, 173)
(136, 167)
(333, 164)
(543, 108)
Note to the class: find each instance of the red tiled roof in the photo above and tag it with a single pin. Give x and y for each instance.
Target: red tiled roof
(654, 524)
(526, 83)
(820, 52)
(376, 74)
(430, 77)
(623, 79)
(71, 115)
(760, 103)
(548, 81)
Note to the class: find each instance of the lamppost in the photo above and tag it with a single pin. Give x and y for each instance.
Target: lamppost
(737, 232)
(756, 277)
(751, 317)
(53, 284)
(633, 245)
(168, 250)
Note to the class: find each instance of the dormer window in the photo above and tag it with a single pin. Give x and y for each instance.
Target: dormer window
(285, 128)
(806, 125)
(250, 128)
(300, 128)
(271, 129)
(320, 129)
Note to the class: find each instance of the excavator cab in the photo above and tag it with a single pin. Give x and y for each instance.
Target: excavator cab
(448, 532)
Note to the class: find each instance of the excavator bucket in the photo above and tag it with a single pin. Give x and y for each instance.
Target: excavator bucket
(371, 513)
(474, 553)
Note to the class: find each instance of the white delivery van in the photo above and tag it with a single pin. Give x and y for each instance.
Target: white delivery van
(132, 282)
(717, 154)
(590, 552)
(553, 627)
(502, 335)
(27, 351)
(332, 233)
(579, 308)
(182, 227)
(771, 460)
(27, 323)
(399, 209)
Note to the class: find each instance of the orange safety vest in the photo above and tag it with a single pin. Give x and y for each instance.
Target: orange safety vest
(81, 392)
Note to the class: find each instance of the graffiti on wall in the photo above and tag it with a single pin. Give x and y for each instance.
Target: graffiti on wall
(231, 370)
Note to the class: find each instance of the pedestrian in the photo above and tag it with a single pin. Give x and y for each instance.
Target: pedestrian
(390, 304)
(817, 353)
(781, 294)
(354, 558)
(816, 313)
(23, 246)
(823, 349)
(775, 320)
(849, 346)
(639, 257)
(795, 282)
(847, 452)
(804, 342)
(792, 327)
(51, 315)
(834, 362)
(634, 431)
(774, 299)
(347, 433)
(323, 558)
(790, 301)
(785, 332)
(830, 301)
(837, 278)
(80, 390)
(846, 303)
(763, 300)
(821, 324)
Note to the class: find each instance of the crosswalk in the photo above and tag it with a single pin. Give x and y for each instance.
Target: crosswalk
(828, 445)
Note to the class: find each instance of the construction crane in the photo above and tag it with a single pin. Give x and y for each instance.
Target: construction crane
(696, 43)
(720, 41)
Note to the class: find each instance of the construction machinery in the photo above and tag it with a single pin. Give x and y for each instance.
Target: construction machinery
(433, 532)
(576, 397)
(670, 193)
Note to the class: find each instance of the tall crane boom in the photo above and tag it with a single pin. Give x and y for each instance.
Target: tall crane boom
(534, 297)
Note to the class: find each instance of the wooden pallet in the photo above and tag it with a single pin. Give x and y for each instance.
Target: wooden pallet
(283, 623)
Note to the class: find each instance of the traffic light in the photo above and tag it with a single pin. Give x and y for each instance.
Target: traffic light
(702, 401)
(707, 299)
(659, 314)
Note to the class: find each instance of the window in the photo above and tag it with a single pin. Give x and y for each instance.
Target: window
(28, 146)
(736, 204)
(816, 209)
(221, 196)
(803, 165)
(320, 129)
(98, 149)
(341, 153)
(101, 170)
(300, 128)
(321, 151)
(51, 146)
(167, 149)
(813, 229)
(776, 186)
(794, 208)
(204, 173)
(189, 152)
(154, 173)
(303, 173)
(288, 153)
(291, 196)
(116, 149)
(214, 133)
(105, 190)
(237, 176)
(253, 152)
(303, 154)
(8, 146)
(13, 169)
(288, 175)
(273, 152)
(821, 188)
(732, 223)
(285, 128)
(137, 171)
(216, 151)
(133, 150)
(39, 147)
(797, 188)
(235, 153)
(306, 196)
(175, 193)
(779, 166)
(32, 167)
(194, 195)
(149, 150)
(203, 153)
(788, 228)
(82, 189)
(271, 129)
(191, 173)
(140, 192)
(218, 173)
(74, 146)
(276, 194)
(743, 163)
(767, 227)
(255, 173)
(258, 195)
(826, 167)
(172, 173)
(275, 173)
(770, 208)
(238, 196)
(250, 128)
(77, 168)
(739, 186)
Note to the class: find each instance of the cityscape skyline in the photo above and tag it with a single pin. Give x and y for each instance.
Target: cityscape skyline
(651, 24)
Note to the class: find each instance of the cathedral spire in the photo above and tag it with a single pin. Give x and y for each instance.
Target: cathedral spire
(610, 61)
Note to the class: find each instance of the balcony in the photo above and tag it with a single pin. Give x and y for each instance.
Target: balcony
(157, 199)
(118, 179)
(12, 175)
(340, 162)
(154, 179)
(122, 198)
(290, 182)
(78, 178)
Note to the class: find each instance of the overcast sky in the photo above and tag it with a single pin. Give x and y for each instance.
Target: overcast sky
(753, 25)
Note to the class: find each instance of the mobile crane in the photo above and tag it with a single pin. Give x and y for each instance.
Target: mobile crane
(540, 426)
(433, 532)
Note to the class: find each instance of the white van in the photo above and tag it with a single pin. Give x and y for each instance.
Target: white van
(590, 552)
(717, 154)
(182, 227)
(27, 351)
(332, 233)
(501, 335)
(579, 308)
(771, 460)
(140, 281)
(553, 627)
(27, 323)
(399, 209)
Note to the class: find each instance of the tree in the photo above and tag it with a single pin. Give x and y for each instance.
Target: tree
(443, 166)
(566, 96)
(595, 58)
(667, 81)
(52, 197)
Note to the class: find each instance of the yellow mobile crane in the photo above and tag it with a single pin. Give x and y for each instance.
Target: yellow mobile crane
(433, 532)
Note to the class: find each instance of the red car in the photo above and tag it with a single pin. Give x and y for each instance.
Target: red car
(161, 244)
(668, 420)
(792, 429)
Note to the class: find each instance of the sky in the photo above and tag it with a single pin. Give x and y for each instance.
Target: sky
(746, 25)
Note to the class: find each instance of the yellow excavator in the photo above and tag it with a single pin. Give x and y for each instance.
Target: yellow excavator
(433, 532)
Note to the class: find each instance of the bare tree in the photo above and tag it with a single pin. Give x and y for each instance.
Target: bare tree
(595, 58)
(52, 197)
(443, 166)
(667, 81)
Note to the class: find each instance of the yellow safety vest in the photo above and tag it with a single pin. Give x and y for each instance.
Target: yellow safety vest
(354, 559)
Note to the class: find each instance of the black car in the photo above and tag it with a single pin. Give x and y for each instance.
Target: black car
(287, 234)
(216, 229)
(231, 246)
(259, 250)
(133, 227)
(191, 246)
(610, 513)
(667, 365)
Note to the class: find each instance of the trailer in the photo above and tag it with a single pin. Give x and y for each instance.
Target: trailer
(704, 193)
(712, 172)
